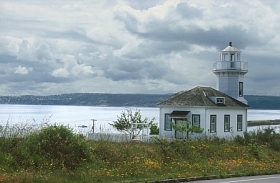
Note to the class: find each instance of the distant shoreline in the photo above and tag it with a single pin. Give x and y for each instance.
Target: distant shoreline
(263, 122)
(119, 100)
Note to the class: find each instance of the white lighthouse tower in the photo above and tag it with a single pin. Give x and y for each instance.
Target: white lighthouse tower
(230, 71)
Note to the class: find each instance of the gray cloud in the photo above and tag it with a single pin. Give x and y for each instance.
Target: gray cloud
(144, 4)
(135, 70)
(134, 46)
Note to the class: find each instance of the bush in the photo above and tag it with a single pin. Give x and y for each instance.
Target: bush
(52, 147)
(267, 137)
(154, 130)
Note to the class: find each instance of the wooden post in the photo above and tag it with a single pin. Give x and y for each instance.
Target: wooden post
(93, 120)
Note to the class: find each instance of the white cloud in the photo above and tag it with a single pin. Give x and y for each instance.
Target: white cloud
(9, 45)
(23, 70)
(61, 72)
(24, 52)
(82, 69)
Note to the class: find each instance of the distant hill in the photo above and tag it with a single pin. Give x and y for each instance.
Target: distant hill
(263, 102)
(88, 99)
(137, 100)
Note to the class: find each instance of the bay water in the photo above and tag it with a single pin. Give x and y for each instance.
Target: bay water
(79, 118)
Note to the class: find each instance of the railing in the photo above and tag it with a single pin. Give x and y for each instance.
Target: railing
(228, 65)
(114, 137)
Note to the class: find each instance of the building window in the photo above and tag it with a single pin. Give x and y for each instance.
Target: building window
(223, 57)
(167, 122)
(226, 123)
(240, 89)
(231, 57)
(213, 122)
(220, 100)
(231, 64)
(196, 120)
(239, 122)
(232, 61)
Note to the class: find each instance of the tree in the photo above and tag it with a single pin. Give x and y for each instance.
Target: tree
(186, 128)
(154, 130)
(130, 123)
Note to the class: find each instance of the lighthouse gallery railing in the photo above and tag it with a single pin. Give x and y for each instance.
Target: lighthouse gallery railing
(230, 65)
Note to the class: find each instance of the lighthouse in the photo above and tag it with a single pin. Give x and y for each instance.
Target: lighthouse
(230, 71)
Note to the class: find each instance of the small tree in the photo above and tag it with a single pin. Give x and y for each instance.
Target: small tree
(127, 123)
(154, 130)
(186, 128)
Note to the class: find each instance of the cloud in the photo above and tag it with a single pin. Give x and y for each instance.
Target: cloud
(43, 52)
(24, 52)
(134, 46)
(199, 23)
(61, 72)
(23, 70)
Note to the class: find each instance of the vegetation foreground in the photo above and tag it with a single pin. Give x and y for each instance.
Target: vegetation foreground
(56, 154)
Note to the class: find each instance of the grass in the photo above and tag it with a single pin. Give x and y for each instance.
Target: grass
(56, 154)
(263, 122)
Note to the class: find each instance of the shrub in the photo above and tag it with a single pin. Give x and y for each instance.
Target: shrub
(154, 130)
(267, 137)
(53, 147)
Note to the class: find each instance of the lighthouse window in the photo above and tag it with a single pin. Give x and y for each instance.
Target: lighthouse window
(240, 89)
(231, 57)
(224, 57)
(231, 64)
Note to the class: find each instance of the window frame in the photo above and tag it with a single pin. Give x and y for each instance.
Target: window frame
(227, 123)
(239, 121)
(224, 57)
(240, 89)
(193, 121)
(220, 100)
(213, 124)
(232, 57)
(167, 118)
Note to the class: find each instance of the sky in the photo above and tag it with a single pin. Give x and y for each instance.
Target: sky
(132, 46)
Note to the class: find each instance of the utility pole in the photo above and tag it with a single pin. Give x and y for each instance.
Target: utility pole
(93, 120)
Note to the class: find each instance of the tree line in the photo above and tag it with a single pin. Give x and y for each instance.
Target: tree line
(106, 99)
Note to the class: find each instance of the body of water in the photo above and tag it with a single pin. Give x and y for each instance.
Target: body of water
(80, 117)
(77, 117)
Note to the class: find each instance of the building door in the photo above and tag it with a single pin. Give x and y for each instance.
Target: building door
(181, 122)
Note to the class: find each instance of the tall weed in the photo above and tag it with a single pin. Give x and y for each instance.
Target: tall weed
(266, 137)
(50, 148)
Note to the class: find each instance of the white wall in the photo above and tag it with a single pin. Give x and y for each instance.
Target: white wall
(194, 110)
(228, 83)
(205, 120)
(220, 121)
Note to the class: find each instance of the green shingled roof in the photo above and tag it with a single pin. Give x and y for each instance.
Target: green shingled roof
(200, 96)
